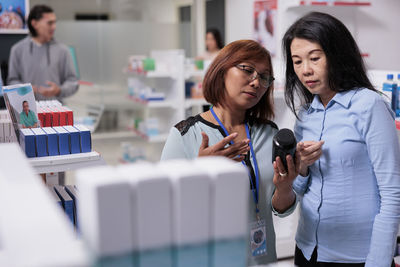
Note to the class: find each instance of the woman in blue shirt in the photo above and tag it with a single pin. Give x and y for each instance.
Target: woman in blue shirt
(349, 182)
(239, 85)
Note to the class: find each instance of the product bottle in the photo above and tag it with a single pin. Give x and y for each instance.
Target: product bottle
(395, 97)
(397, 82)
(387, 85)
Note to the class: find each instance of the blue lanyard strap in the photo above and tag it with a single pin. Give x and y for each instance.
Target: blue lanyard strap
(254, 189)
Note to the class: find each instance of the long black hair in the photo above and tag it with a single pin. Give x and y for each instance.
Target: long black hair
(217, 37)
(346, 70)
(36, 13)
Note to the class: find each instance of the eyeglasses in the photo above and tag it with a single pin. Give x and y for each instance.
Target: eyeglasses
(264, 80)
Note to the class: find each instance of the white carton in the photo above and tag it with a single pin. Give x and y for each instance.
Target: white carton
(229, 197)
(190, 203)
(34, 230)
(151, 205)
(105, 211)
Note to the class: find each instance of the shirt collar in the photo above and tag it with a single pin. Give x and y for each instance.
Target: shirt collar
(342, 98)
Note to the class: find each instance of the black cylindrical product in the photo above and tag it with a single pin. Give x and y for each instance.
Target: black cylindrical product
(283, 144)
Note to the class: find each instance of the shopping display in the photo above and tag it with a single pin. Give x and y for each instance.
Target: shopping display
(177, 206)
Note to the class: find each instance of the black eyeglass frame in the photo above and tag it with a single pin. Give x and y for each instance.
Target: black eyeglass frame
(265, 81)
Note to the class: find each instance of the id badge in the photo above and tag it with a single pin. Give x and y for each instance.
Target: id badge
(258, 242)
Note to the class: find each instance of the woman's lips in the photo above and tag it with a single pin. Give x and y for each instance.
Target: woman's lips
(311, 83)
(251, 94)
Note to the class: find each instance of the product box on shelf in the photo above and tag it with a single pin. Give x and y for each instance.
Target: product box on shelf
(63, 140)
(74, 139)
(146, 181)
(27, 142)
(69, 115)
(107, 227)
(85, 138)
(40, 141)
(191, 201)
(52, 141)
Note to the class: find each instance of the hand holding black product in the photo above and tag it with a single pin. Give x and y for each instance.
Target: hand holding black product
(283, 144)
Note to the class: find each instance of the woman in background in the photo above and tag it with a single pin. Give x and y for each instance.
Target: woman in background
(213, 44)
(239, 85)
(349, 179)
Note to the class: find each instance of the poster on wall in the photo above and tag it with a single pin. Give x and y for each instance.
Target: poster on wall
(13, 16)
(265, 15)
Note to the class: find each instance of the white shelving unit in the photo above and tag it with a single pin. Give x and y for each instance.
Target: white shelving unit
(65, 162)
(171, 110)
(123, 134)
(168, 77)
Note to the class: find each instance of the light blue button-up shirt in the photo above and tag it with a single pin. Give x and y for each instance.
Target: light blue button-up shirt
(350, 202)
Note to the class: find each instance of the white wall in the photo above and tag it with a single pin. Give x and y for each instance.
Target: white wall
(161, 11)
(375, 27)
(66, 9)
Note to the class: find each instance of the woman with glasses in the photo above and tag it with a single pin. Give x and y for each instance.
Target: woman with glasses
(239, 85)
(349, 179)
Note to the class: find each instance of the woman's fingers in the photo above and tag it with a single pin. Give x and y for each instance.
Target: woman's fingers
(281, 167)
(311, 148)
(221, 144)
(204, 141)
(237, 148)
(291, 166)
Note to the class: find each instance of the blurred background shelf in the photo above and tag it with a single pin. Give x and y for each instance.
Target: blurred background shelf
(66, 162)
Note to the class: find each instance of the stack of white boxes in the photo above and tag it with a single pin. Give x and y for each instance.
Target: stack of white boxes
(180, 204)
(7, 133)
(34, 231)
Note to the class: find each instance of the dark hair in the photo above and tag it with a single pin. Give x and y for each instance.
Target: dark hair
(36, 13)
(217, 37)
(231, 55)
(24, 102)
(346, 70)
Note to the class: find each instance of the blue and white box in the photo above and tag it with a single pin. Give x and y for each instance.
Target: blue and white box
(229, 197)
(52, 141)
(105, 211)
(85, 138)
(147, 182)
(191, 194)
(63, 140)
(27, 142)
(73, 139)
(41, 142)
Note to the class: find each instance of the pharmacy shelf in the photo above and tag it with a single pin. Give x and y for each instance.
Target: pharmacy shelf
(194, 73)
(153, 103)
(192, 102)
(66, 162)
(150, 74)
(151, 139)
(113, 135)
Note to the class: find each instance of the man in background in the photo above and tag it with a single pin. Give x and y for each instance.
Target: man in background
(42, 61)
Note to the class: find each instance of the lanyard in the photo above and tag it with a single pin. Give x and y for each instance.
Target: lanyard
(254, 189)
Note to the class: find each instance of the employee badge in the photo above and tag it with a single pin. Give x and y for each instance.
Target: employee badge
(258, 242)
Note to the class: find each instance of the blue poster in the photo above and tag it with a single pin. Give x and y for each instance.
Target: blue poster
(13, 15)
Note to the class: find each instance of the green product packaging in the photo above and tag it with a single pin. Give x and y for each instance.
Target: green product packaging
(149, 64)
(199, 64)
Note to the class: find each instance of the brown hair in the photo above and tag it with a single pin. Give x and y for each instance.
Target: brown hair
(231, 55)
